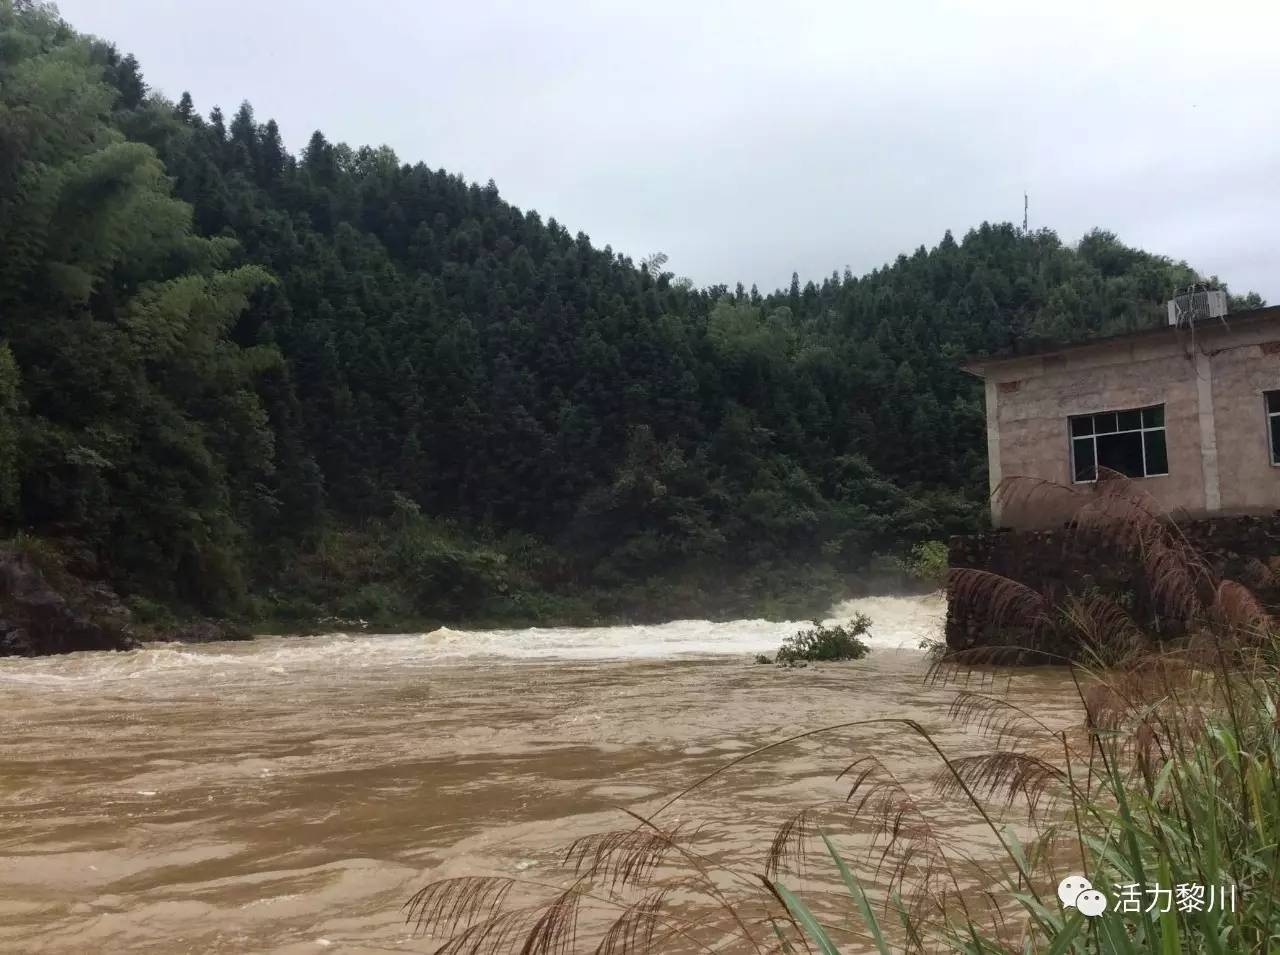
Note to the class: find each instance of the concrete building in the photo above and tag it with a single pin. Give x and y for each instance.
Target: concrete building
(1190, 411)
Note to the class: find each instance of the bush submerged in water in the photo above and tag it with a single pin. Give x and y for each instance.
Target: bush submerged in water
(823, 643)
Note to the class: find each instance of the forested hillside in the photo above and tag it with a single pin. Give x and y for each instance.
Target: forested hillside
(236, 380)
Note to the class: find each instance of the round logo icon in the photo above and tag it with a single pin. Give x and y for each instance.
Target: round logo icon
(1069, 889)
(1091, 902)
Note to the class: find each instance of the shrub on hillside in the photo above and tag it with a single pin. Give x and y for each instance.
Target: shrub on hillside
(928, 563)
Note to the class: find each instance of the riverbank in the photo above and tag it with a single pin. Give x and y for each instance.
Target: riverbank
(55, 598)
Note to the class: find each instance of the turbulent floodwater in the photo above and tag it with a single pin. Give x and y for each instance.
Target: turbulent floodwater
(287, 795)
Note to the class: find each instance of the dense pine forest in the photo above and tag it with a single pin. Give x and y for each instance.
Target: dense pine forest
(238, 381)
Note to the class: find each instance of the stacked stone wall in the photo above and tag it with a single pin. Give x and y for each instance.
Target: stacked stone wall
(1060, 561)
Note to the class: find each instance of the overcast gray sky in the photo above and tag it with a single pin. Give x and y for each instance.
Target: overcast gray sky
(750, 139)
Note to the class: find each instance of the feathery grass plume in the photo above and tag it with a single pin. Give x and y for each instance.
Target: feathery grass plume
(998, 599)
(453, 904)
(500, 932)
(1117, 514)
(1017, 495)
(1259, 576)
(1106, 633)
(787, 851)
(1005, 774)
(555, 931)
(1235, 607)
(1180, 588)
(996, 718)
(636, 929)
(627, 857)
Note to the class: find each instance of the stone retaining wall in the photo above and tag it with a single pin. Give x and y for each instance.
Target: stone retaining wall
(1062, 561)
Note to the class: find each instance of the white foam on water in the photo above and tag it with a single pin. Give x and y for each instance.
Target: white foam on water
(896, 622)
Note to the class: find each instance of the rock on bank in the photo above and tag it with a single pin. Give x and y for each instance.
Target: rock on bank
(36, 618)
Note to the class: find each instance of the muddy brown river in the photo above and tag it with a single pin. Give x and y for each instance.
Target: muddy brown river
(287, 795)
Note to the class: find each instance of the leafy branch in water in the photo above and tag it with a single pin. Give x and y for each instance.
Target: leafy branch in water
(821, 643)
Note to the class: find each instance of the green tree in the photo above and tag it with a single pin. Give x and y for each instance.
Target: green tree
(220, 355)
(10, 393)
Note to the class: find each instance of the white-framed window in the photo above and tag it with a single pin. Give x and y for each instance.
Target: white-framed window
(1272, 399)
(1131, 442)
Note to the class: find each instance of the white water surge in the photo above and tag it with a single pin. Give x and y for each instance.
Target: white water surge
(897, 623)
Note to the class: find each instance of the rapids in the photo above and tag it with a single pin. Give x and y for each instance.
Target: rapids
(288, 794)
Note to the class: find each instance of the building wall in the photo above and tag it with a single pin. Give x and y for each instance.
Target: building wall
(1250, 482)
(1215, 425)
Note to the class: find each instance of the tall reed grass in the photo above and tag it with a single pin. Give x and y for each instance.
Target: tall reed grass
(1171, 778)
